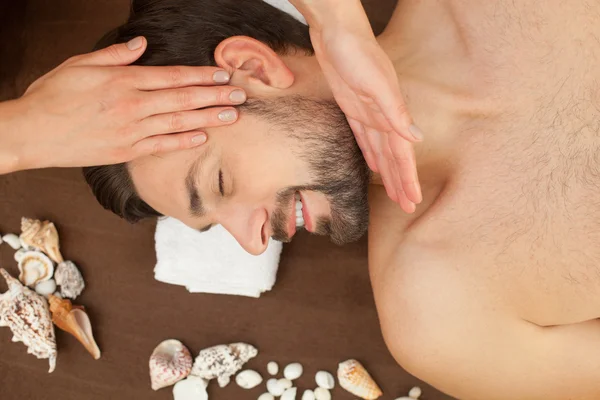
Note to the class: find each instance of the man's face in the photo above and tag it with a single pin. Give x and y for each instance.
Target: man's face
(287, 162)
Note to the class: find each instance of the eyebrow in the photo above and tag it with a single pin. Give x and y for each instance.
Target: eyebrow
(196, 206)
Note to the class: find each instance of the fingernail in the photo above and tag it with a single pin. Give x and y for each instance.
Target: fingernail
(199, 139)
(135, 44)
(237, 96)
(416, 132)
(228, 115)
(221, 77)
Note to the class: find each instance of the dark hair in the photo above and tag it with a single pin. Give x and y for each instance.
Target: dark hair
(187, 32)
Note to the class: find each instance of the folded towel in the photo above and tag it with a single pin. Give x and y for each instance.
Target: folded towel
(212, 261)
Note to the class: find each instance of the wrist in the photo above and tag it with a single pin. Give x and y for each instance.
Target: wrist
(13, 134)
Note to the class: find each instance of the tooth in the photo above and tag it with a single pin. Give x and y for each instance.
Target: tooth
(299, 221)
(298, 205)
(298, 213)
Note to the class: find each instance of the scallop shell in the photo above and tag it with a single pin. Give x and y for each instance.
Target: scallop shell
(26, 314)
(170, 362)
(192, 388)
(222, 361)
(41, 235)
(355, 379)
(74, 320)
(69, 279)
(35, 267)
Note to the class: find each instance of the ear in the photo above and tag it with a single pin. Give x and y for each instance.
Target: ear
(249, 61)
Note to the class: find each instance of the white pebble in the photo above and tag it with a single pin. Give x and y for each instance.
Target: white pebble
(248, 379)
(274, 387)
(308, 395)
(415, 393)
(405, 398)
(46, 288)
(325, 380)
(289, 394)
(293, 371)
(12, 240)
(272, 368)
(266, 396)
(322, 394)
(285, 383)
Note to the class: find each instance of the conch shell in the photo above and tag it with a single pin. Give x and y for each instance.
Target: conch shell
(69, 279)
(354, 378)
(73, 319)
(222, 361)
(35, 267)
(170, 362)
(41, 235)
(26, 314)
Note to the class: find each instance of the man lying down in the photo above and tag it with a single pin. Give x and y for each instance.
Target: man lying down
(492, 289)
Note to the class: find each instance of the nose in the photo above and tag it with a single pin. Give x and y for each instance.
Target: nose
(249, 228)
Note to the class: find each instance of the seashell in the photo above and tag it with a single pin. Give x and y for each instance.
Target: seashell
(266, 396)
(45, 288)
(293, 371)
(19, 254)
(170, 362)
(12, 240)
(415, 393)
(274, 387)
(355, 379)
(191, 388)
(289, 394)
(70, 280)
(325, 380)
(322, 394)
(41, 235)
(73, 319)
(35, 267)
(222, 361)
(308, 395)
(248, 379)
(1, 241)
(404, 398)
(26, 314)
(272, 368)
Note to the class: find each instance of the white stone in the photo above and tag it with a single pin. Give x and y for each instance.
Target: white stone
(293, 371)
(248, 379)
(285, 383)
(274, 387)
(308, 395)
(191, 388)
(273, 368)
(405, 398)
(289, 394)
(322, 394)
(46, 288)
(266, 396)
(415, 392)
(325, 380)
(12, 240)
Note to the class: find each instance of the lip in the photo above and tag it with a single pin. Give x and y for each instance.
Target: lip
(308, 223)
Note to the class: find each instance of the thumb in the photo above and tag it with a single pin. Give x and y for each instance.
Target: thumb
(116, 55)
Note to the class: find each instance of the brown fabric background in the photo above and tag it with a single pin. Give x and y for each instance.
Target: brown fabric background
(320, 313)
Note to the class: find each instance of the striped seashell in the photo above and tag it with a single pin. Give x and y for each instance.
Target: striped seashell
(355, 379)
(170, 362)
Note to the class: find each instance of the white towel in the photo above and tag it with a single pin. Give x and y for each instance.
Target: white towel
(212, 261)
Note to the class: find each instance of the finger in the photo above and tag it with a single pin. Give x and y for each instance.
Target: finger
(167, 143)
(404, 158)
(186, 121)
(190, 98)
(405, 203)
(394, 109)
(117, 54)
(383, 161)
(363, 143)
(156, 78)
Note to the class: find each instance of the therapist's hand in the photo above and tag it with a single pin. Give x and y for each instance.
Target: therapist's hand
(365, 85)
(94, 109)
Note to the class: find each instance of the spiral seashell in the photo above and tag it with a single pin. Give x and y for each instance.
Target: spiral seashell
(355, 379)
(41, 235)
(170, 362)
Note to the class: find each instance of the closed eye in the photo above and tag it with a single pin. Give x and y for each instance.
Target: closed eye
(221, 183)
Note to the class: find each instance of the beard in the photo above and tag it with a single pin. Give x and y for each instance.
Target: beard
(321, 136)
